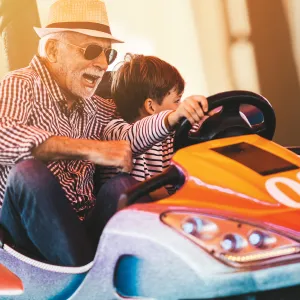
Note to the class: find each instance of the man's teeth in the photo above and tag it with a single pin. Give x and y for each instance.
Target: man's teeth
(90, 78)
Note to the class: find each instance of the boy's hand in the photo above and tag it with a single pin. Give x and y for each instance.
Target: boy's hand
(193, 108)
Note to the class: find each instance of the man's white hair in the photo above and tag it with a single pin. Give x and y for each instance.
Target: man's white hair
(60, 36)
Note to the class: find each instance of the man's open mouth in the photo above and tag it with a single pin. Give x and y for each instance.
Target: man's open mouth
(90, 78)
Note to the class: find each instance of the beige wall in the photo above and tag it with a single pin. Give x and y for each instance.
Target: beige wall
(18, 41)
(212, 37)
(163, 28)
(292, 10)
(3, 59)
(254, 45)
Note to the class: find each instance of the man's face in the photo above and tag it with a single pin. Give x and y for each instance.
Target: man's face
(75, 74)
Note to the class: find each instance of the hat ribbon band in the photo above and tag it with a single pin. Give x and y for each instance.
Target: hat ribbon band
(81, 25)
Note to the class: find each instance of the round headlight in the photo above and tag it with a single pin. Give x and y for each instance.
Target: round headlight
(233, 242)
(256, 239)
(192, 225)
(201, 228)
(260, 239)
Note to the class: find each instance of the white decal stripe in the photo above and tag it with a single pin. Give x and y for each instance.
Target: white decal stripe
(276, 193)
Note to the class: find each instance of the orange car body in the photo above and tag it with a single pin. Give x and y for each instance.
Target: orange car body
(223, 186)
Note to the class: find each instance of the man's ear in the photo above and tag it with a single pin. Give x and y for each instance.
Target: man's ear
(51, 50)
(149, 106)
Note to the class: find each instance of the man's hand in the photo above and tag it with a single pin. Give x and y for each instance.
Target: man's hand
(104, 153)
(112, 154)
(193, 108)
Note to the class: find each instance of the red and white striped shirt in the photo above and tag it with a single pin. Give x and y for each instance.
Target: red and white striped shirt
(153, 159)
(33, 108)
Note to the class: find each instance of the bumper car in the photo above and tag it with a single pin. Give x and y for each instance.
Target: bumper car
(231, 231)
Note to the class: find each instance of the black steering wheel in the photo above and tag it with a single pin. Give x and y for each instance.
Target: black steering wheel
(228, 121)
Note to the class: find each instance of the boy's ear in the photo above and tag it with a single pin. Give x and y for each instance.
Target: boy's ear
(149, 106)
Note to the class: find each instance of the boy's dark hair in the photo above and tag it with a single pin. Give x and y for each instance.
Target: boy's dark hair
(141, 77)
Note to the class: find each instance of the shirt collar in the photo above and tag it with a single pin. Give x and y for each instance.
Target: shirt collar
(39, 67)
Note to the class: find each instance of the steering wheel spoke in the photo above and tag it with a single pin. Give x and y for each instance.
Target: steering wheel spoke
(233, 108)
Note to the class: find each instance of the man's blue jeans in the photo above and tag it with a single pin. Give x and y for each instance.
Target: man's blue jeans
(41, 221)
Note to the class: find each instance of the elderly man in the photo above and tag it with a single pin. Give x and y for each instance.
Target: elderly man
(50, 132)
(51, 128)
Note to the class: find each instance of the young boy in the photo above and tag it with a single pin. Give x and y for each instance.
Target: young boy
(148, 86)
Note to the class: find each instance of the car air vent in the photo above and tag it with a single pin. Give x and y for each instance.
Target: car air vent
(257, 159)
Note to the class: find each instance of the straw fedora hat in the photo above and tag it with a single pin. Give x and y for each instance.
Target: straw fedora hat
(84, 16)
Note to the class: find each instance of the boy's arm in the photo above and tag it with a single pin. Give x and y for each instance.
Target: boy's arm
(147, 132)
(142, 135)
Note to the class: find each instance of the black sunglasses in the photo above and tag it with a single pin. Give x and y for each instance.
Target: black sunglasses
(92, 51)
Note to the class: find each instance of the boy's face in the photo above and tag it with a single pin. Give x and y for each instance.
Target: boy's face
(170, 102)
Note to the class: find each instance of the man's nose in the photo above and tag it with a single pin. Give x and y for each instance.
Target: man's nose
(101, 61)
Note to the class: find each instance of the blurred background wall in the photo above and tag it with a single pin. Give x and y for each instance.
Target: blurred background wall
(18, 41)
(217, 45)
